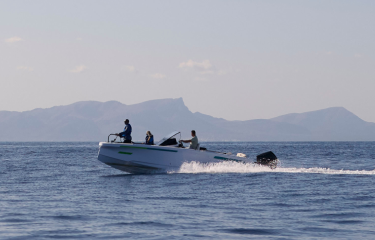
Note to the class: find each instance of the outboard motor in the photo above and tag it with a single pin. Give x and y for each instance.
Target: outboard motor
(267, 159)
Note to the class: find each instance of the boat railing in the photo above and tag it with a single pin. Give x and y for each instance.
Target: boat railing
(113, 135)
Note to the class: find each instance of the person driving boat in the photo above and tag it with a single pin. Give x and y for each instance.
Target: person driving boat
(193, 141)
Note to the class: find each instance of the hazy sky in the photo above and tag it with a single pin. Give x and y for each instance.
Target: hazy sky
(232, 59)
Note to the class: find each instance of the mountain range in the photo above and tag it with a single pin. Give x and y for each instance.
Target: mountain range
(94, 121)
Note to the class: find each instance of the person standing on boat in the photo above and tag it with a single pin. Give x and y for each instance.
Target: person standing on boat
(149, 138)
(126, 134)
(193, 141)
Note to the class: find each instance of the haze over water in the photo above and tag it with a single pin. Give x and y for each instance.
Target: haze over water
(60, 190)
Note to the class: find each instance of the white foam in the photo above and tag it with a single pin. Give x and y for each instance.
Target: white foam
(235, 167)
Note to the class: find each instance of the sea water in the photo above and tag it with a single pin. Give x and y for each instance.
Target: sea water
(60, 190)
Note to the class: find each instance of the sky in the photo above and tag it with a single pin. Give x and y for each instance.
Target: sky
(237, 60)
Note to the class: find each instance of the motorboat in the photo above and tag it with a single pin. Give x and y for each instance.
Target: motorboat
(167, 155)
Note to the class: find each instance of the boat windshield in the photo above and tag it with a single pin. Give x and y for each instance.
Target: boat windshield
(170, 139)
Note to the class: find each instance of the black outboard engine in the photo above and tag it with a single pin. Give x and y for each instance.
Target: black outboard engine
(267, 159)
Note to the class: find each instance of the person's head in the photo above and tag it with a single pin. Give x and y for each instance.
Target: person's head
(148, 133)
(126, 121)
(193, 133)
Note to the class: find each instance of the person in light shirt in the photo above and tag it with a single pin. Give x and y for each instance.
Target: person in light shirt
(193, 141)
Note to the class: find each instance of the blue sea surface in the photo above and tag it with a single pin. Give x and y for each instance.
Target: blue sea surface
(320, 190)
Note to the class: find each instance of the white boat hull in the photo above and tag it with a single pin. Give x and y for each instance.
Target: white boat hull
(140, 159)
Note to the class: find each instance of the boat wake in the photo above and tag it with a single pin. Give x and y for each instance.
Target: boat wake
(235, 167)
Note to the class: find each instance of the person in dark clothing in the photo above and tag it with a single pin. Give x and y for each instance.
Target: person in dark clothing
(149, 138)
(126, 134)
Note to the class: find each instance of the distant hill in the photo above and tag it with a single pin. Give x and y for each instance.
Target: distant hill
(93, 121)
(331, 124)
